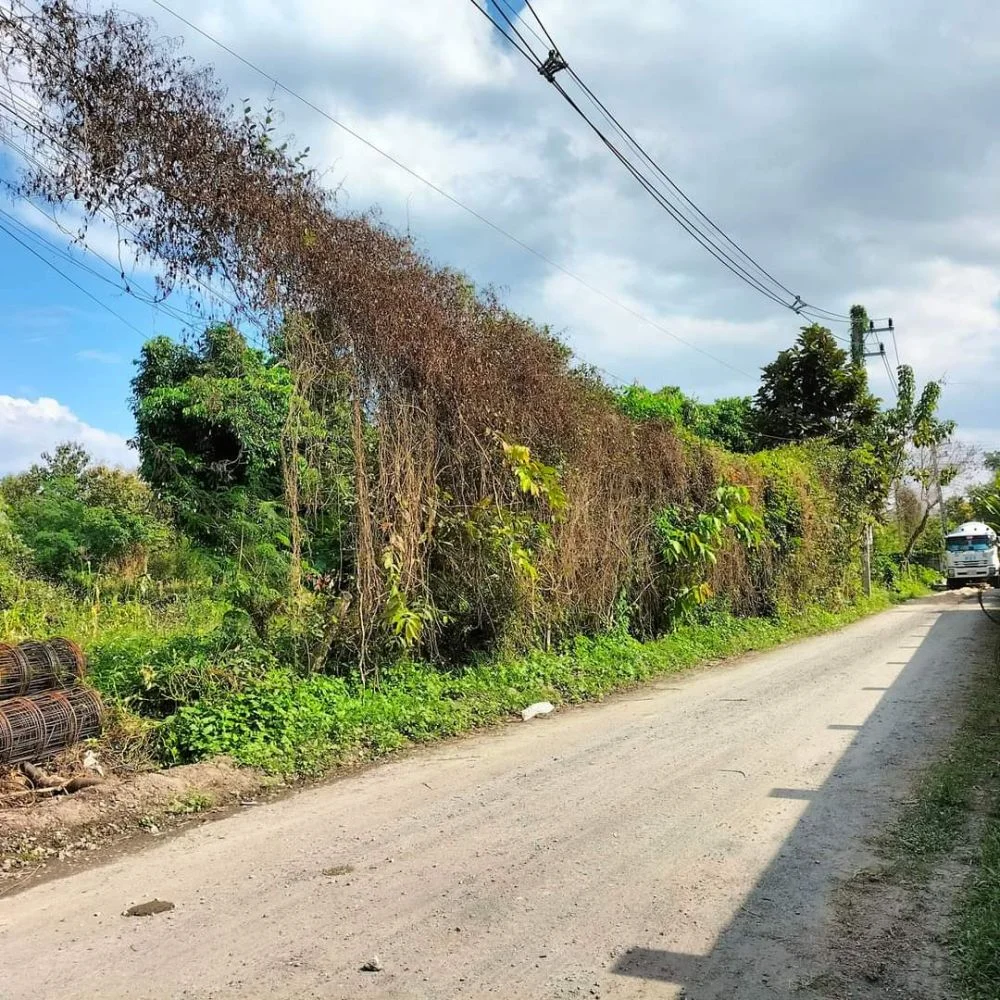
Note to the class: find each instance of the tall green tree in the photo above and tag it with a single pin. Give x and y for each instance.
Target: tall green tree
(219, 427)
(813, 390)
(910, 441)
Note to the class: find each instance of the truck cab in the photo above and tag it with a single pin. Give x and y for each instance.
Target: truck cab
(971, 555)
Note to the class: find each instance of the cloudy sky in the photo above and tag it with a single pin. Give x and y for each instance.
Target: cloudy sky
(851, 147)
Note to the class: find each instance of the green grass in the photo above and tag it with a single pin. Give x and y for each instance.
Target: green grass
(936, 820)
(272, 718)
(947, 817)
(976, 933)
(32, 608)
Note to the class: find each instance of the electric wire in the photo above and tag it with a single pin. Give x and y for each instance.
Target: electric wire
(126, 284)
(154, 299)
(524, 23)
(74, 283)
(685, 224)
(131, 287)
(513, 27)
(889, 372)
(690, 226)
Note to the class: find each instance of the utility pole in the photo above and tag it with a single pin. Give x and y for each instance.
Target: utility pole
(936, 469)
(864, 336)
(866, 562)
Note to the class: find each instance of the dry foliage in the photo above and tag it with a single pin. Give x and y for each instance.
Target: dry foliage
(130, 130)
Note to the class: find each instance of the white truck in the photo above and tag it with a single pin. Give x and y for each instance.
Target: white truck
(971, 555)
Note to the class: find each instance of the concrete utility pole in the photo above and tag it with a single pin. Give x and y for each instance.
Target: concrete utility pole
(864, 336)
(866, 562)
(936, 468)
(859, 331)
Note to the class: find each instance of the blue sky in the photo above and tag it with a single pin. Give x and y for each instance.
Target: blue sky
(854, 150)
(63, 345)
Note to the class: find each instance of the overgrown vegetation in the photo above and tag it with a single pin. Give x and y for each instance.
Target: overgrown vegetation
(407, 511)
(976, 936)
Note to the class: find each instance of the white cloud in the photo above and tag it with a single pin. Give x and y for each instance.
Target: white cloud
(101, 357)
(29, 427)
(598, 328)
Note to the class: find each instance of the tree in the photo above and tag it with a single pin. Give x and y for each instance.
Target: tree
(72, 516)
(912, 445)
(813, 390)
(984, 501)
(932, 466)
(220, 426)
(912, 423)
(209, 423)
(728, 422)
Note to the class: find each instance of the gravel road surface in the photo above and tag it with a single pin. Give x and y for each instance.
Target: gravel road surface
(682, 840)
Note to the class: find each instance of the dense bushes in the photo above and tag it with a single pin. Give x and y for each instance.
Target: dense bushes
(286, 722)
(410, 473)
(73, 519)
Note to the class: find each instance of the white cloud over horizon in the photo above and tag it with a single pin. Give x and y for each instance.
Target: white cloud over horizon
(29, 427)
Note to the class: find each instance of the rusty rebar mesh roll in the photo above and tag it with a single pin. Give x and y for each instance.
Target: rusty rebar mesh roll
(69, 655)
(32, 667)
(13, 671)
(37, 727)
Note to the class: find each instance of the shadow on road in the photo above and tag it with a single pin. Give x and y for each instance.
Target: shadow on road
(761, 951)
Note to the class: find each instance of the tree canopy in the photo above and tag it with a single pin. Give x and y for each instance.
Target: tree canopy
(74, 516)
(812, 390)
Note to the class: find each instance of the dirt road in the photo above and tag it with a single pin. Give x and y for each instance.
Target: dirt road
(680, 841)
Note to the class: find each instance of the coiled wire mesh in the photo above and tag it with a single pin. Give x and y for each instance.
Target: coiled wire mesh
(31, 667)
(36, 727)
(43, 707)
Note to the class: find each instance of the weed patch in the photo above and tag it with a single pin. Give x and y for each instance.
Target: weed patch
(976, 934)
(193, 802)
(284, 723)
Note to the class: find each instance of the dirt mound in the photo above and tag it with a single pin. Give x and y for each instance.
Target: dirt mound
(64, 826)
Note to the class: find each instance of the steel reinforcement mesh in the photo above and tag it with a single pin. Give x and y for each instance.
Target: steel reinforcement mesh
(32, 667)
(36, 727)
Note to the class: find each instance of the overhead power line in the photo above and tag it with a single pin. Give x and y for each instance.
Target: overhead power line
(638, 161)
(891, 374)
(122, 282)
(74, 283)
